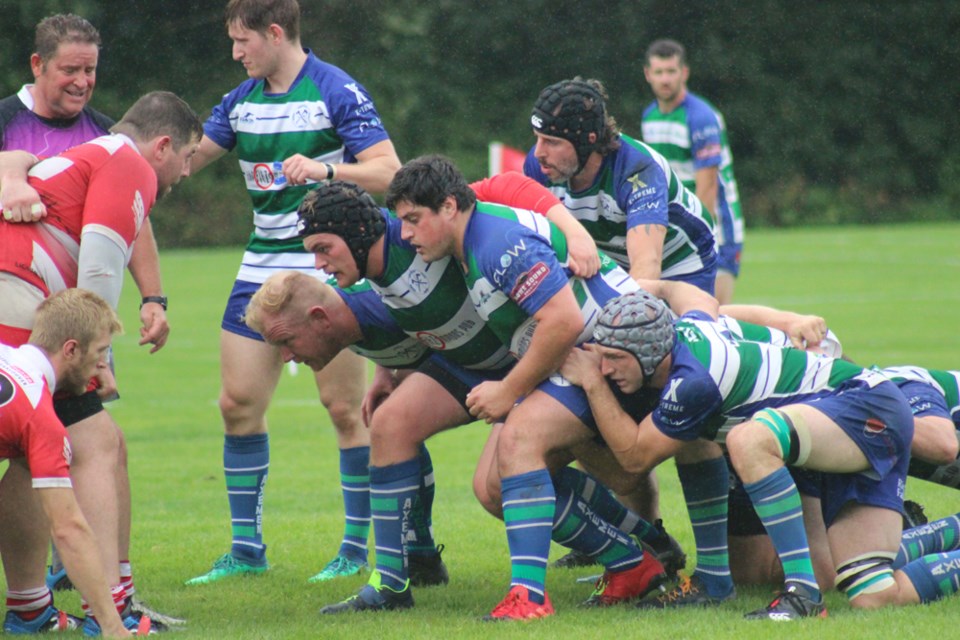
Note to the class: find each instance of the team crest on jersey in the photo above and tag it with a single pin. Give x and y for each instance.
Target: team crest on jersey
(67, 451)
(529, 282)
(418, 281)
(7, 389)
(874, 427)
(301, 117)
(431, 340)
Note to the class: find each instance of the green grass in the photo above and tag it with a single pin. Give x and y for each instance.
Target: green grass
(890, 293)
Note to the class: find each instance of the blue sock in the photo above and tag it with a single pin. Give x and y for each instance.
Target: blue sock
(935, 576)
(355, 484)
(529, 503)
(706, 486)
(420, 539)
(393, 489)
(777, 502)
(246, 461)
(576, 526)
(605, 504)
(934, 537)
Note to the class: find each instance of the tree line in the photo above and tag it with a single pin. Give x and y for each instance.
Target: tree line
(838, 112)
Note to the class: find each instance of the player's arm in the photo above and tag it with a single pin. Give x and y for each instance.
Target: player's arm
(516, 190)
(19, 201)
(637, 447)
(78, 549)
(559, 324)
(707, 187)
(373, 170)
(384, 382)
(803, 330)
(207, 152)
(682, 297)
(645, 250)
(145, 268)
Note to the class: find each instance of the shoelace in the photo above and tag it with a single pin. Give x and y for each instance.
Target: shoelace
(683, 589)
(509, 603)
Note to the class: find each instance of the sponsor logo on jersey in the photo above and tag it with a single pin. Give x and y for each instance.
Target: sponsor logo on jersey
(874, 427)
(7, 389)
(432, 340)
(708, 151)
(246, 118)
(139, 210)
(67, 451)
(636, 182)
(356, 92)
(263, 175)
(506, 260)
(374, 123)
(529, 282)
(670, 395)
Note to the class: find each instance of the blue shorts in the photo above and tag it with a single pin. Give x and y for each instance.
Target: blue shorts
(879, 421)
(703, 279)
(237, 307)
(924, 400)
(455, 379)
(728, 258)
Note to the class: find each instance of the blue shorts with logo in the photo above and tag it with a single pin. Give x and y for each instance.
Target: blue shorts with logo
(728, 258)
(236, 308)
(457, 380)
(924, 400)
(878, 419)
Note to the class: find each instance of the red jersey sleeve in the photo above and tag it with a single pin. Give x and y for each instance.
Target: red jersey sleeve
(515, 190)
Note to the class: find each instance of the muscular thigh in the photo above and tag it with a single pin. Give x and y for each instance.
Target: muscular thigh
(344, 379)
(249, 369)
(417, 409)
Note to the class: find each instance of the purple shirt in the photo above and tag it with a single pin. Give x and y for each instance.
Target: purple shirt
(22, 129)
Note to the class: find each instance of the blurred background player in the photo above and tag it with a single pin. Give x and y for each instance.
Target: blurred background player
(691, 134)
(48, 117)
(296, 121)
(68, 344)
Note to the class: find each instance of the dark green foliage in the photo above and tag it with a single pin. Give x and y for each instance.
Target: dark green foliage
(838, 112)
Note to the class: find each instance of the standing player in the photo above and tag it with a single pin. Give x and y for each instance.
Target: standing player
(772, 407)
(68, 345)
(296, 121)
(620, 189)
(49, 117)
(691, 134)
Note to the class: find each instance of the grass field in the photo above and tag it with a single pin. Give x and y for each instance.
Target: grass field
(892, 294)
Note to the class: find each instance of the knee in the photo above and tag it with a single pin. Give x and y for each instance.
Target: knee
(488, 499)
(344, 413)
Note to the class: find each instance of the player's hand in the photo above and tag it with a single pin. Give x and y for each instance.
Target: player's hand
(383, 384)
(155, 329)
(298, 169)
(490, 401)
(20, 202)
(582, 249)
(108, 384)
(807, 332)
(581, 367)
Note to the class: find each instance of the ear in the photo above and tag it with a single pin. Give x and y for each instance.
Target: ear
(449, 206)
(275, 34)
(161, 144)
(685, 73)
(71, 349)
(592, 138)
(36, 64)
(317, 313)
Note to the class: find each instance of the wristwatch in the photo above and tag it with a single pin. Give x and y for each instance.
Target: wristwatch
(160, 300)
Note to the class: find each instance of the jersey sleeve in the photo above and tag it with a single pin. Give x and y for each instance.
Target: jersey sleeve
(526, 268)
(514, 189)
(119, 196)
(642, 193)
(46, 446)
(353, 114)
(688, 403)
(218, 126)
(705, 143)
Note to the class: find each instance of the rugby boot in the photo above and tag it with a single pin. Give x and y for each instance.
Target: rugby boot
(373, 596)
(668, 551)
(517, 606)
(625, 586)
(792, 603)
(339, 567)
(58, 580)
(574, 560)
(51, 620)
(427, 570)
(227, 566)
(689, 592)
(159, 621)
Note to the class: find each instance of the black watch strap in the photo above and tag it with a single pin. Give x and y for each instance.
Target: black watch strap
(160, 300)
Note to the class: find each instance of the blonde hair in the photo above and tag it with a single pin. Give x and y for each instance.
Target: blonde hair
(73, 314)
(285, 292)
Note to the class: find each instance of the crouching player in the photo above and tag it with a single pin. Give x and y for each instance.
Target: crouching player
(68, 344)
